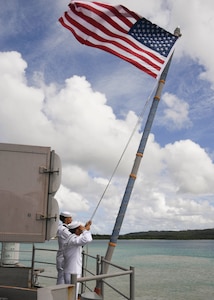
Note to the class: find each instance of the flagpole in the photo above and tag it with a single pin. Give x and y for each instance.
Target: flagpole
(130, 184)
(139, 155)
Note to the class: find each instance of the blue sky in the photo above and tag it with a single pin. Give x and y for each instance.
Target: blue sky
(85, 103)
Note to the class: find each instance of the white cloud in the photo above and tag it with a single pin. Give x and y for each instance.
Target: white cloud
(72, 201)
(12, 66)
(191, 167)
(175, 115)
(89, 130)
(85, 132)
(196, 22)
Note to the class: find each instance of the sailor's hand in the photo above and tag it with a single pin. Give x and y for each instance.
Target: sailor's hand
(82, 228)
(88, 225)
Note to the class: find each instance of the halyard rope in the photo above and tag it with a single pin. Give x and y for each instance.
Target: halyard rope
(126, 146)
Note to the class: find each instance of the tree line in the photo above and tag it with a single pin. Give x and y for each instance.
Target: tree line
(197, 234)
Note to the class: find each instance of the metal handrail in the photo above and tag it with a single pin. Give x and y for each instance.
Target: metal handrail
(99, 276)
(88, 275)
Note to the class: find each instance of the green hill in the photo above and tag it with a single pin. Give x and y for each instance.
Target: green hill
(197, 234)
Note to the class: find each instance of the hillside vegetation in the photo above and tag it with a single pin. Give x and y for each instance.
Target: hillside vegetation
(203, 234)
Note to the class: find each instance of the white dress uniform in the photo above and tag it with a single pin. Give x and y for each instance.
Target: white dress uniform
(62, 233)
(72, 252)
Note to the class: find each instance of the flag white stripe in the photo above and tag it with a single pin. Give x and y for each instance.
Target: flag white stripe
(120, 52)
(120, 10)
(110, 39)
(120, 41)
(106, 27)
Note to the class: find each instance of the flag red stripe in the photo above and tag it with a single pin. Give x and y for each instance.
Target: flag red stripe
(100, 14)
(106, 17)
(118, 14)
(102, 28)
(113, 42)
(102, 47)
(107, 27)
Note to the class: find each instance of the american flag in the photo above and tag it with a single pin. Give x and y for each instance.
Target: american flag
(118, 30)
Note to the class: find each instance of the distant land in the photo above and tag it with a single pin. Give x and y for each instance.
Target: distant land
(196, 234)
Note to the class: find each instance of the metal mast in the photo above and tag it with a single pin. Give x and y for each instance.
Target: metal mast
(139, 155)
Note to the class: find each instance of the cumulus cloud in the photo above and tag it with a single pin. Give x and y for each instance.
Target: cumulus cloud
(195, 41)
(73, 113)
(175, 115)
(74, 201)
(194, 169)
(76, 121)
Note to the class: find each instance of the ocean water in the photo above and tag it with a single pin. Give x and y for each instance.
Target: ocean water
(164, 270)
(168, 270)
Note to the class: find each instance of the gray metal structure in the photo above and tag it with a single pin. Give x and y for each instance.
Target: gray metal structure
(29, 179)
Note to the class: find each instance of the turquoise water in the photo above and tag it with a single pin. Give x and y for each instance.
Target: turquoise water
(168, 270)
(164, 270)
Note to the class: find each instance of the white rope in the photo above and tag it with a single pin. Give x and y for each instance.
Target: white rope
(129, 140)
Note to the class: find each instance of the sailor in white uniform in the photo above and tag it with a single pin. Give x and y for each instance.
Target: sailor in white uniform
(72, 250)
(62, 234)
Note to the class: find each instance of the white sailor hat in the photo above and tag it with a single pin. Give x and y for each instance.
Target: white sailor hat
(74, 224)
(66, 214)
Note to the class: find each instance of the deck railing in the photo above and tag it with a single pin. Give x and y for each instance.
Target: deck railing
(100, 280)
(41, 263)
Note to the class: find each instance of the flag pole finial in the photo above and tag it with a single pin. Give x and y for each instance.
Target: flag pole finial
(177, 32)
